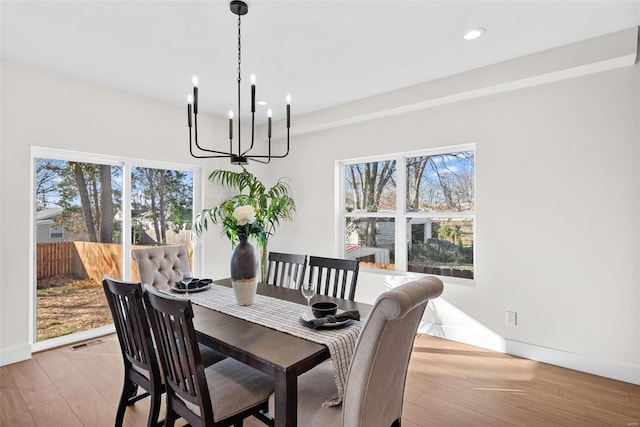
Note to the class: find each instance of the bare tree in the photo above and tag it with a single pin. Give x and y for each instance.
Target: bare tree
(415, 170)
(368, 183)
(66, 183)
(48, 173)
(85, 201)
(166, 195)
(106, 205)
(442, 182)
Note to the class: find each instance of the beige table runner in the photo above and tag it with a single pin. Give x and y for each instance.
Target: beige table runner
(284, 316)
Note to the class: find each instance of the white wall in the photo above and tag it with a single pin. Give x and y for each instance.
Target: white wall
(558, 227)
(45, 110)
(558, 217)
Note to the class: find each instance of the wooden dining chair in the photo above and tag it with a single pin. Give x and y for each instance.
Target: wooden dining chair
(141, 366)
(140, 362)
(375, 383)
(334, 276)
(286, 269)
(220, 395)
(160, 266)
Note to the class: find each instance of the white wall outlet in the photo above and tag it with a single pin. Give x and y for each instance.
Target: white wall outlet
(512, 318)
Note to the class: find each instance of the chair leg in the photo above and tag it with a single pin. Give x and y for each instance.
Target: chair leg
(263, 415)
(127, 389)
(171, 417)
(238, 424)
(396, 423)
(154, 409)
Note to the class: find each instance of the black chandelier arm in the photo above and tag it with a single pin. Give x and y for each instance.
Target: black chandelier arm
(258, 160)
(253, 124)
(220, 154)
(206, 150)
(271, 156)
(255, 158)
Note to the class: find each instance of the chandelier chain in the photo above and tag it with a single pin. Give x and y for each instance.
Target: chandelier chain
(239, 48)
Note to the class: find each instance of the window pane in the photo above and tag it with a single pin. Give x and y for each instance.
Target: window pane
(161, 208)
(370, 187)
(371, 241)
(442, 246)
(78, 229)
(441, 183)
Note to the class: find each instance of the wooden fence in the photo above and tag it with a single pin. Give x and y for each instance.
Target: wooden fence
(54, 259)
(82, 260)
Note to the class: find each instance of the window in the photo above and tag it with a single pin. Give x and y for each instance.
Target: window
(89, 212)
(56, 233)
(161, 208)
(411, 212)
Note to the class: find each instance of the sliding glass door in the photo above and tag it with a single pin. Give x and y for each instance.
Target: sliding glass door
(89, 212)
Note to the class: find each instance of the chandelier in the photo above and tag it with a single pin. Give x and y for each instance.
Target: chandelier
(238, 157)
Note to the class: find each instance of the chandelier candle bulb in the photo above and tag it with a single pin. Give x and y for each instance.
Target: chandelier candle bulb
(269, 123)
(189, 102)
(253, 92)
(288, 110)
(230, 125)
(195, 94)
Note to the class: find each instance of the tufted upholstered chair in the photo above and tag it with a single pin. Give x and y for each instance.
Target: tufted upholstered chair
(160, 266)
(375, 383)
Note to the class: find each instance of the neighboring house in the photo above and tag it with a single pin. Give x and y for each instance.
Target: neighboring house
(46, 229)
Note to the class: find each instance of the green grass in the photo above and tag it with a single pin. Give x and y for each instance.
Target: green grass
(56, 290)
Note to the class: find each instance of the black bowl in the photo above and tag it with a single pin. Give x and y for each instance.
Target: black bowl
(324, 308)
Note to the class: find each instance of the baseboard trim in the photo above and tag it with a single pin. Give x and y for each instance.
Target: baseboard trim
(15, 354)
(72, 338)
(597, 366)
(23, 352)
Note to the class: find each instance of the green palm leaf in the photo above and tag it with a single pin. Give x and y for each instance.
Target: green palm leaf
(271, 205)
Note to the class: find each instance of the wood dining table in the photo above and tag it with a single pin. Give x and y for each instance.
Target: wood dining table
(281, 355)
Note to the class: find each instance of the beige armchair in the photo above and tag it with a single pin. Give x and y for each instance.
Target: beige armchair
(375, 383)
(160, 266)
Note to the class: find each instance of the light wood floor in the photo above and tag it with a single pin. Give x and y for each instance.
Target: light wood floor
(449, 384)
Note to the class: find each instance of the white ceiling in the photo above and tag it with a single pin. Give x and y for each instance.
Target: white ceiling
(324, 53)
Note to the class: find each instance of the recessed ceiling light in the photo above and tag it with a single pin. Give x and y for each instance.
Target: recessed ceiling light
(263, 103)
(474, 33)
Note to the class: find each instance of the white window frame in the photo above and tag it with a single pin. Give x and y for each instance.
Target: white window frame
(400, 214)
(127, 164)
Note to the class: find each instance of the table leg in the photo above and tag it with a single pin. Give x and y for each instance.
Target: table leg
(286, 399)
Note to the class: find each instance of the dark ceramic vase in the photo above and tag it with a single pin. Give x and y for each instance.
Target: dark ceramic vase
(244, 265)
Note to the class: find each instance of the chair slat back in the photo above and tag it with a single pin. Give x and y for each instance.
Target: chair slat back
(286, 269)
(172, 325)
(129, 317)
(334, 277)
